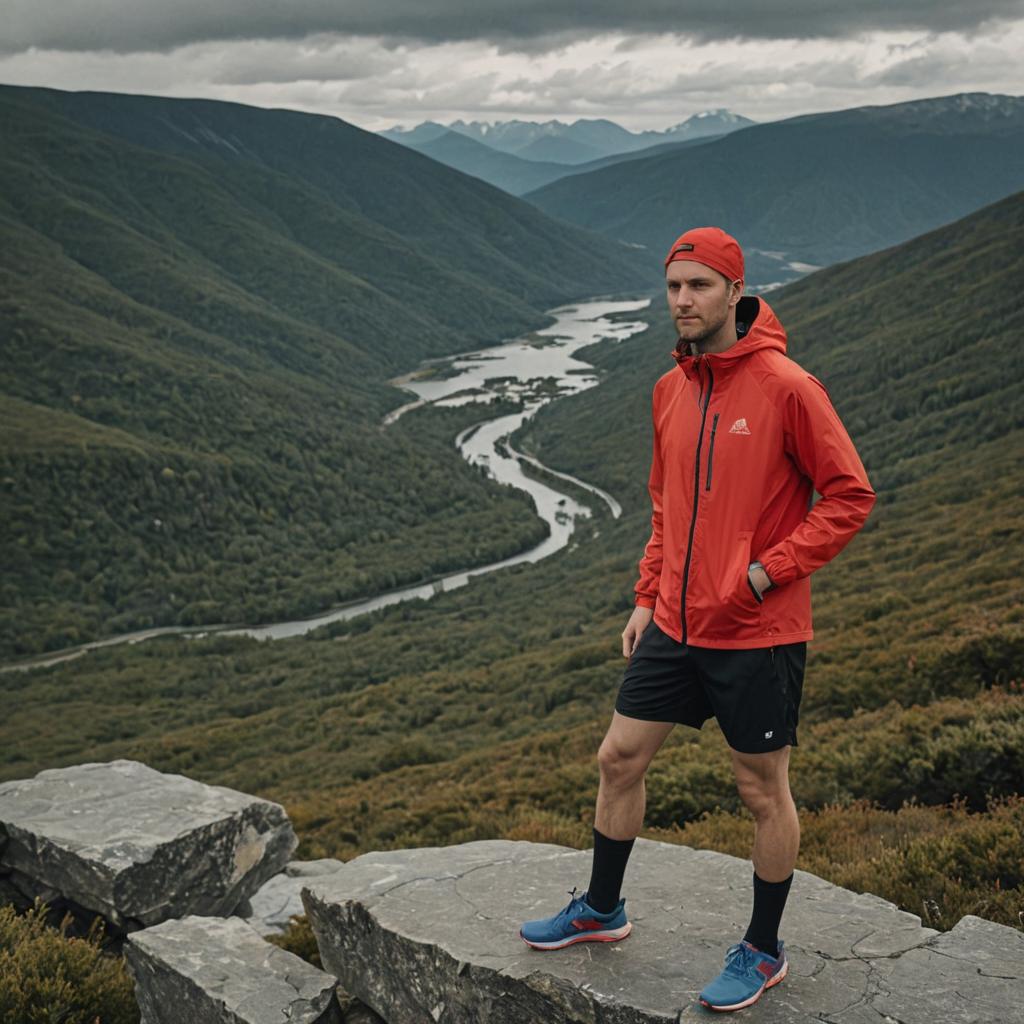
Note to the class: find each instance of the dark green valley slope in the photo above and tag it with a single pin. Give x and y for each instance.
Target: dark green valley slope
(195, 355)
(331, 224)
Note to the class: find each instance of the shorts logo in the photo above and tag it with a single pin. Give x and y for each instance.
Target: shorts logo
(768, 735)
(739, 427)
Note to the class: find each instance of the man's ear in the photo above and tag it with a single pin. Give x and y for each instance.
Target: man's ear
(736, 292)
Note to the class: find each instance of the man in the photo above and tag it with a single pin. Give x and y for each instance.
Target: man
(742, 438)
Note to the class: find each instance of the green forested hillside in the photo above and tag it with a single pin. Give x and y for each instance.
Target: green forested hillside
(196, 342)
(478, 714)
(815, 189)
(447, 248)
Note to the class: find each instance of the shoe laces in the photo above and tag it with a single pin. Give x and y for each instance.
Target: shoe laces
(574, 903)
(739, 960)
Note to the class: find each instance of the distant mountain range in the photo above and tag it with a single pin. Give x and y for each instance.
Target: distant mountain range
(812, 190)
(540, 152)
(202, 303)
(583, 140)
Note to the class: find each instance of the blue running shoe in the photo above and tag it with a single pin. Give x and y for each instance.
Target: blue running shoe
(576, 922)
(747, 973)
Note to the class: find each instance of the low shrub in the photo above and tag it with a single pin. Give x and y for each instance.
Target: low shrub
(937, 862)
(47, 977)
(971, 748)
(298, 938)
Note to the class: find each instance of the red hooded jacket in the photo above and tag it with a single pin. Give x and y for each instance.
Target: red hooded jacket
(742, 439)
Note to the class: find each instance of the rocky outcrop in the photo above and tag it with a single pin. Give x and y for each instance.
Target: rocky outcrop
(135, 845)
(431, 936)
(208, 970)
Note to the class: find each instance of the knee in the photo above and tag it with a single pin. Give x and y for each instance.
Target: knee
(763, 800)
(619, 767)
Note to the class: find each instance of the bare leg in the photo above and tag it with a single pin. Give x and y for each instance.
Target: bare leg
(628, 748)
(763, 783)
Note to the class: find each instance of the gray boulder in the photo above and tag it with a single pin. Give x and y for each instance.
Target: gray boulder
(272, 906)
(206, 970)
(136, 845)
(431, 935)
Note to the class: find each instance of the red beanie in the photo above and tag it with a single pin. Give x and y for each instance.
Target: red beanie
(712, 247)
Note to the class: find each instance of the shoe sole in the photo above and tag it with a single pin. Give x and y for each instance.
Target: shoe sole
(757, 995)
(613, 935)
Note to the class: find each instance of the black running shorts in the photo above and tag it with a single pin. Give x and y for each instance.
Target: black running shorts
(754, 693)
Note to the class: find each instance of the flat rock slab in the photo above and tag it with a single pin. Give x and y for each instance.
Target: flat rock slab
(974, 972)
(206, 970)
(136, 845)
(432, 935)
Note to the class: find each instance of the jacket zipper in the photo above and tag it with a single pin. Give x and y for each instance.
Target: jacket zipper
(696, 498)
(711, 450)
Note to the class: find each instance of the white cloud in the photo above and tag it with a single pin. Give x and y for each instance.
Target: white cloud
(642, 81)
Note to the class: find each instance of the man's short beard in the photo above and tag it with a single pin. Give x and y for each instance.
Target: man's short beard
(709, 331)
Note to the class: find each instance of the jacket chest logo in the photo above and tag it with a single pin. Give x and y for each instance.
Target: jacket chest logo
(739, 427)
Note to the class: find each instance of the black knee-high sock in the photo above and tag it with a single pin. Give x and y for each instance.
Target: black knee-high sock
(610, 857)
(769, 903)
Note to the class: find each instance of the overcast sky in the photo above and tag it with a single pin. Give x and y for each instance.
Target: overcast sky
(643, 63)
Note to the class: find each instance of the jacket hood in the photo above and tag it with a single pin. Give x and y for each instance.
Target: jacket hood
(757, 327)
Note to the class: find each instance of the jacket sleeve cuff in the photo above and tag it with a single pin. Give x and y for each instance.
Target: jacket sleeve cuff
(780, 568)
(643, 601)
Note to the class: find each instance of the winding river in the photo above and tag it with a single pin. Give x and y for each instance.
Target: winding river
(532, 370)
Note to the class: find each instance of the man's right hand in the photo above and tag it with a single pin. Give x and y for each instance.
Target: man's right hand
(638, 622)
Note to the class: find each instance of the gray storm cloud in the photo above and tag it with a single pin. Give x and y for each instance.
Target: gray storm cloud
(128, 26)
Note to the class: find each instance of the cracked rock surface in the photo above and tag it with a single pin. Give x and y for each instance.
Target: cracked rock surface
(206, 970)
(432, 935)
(136, 845)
